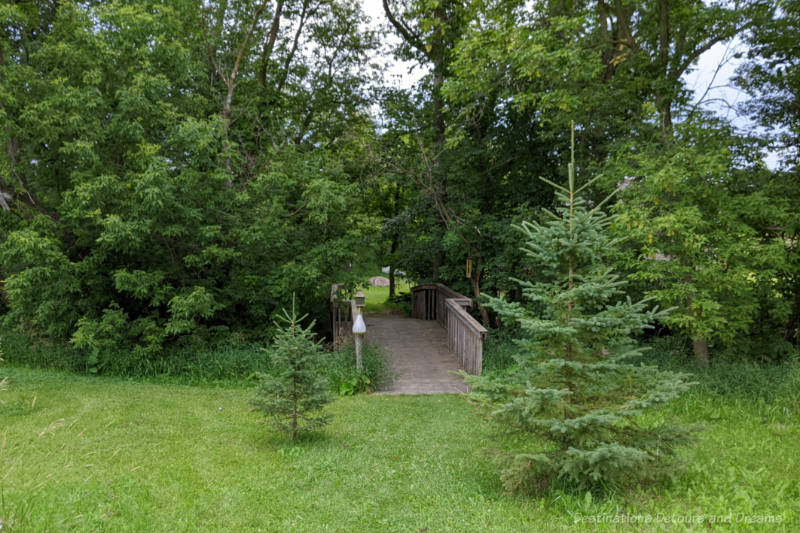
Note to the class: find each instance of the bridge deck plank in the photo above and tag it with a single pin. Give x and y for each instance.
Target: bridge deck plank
(418, 355)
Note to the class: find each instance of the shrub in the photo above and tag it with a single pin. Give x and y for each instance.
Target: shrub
(340, 368)
(499, 351)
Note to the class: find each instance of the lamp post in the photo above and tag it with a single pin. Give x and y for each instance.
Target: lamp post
(359, 328)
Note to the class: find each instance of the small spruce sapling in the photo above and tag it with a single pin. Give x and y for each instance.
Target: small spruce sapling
(293, 395)
(577, 386)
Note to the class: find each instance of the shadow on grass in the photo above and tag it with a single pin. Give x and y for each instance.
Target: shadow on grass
(270, 439)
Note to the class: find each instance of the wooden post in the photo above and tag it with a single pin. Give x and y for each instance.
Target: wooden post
(359, 329)
(359, 365)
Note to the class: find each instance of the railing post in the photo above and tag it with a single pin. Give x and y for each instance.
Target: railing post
(359, 328)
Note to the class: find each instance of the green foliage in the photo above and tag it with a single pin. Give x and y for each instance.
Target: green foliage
(499, 349)
(292, 395)
(772, 79)
(700, 235)
(739, 379)
(507, 78)
(101, 337)
(224, 362)
(576, 383)
(340, 369)
(354, 385)
(172, 174)
(143, 211)
(201, 362)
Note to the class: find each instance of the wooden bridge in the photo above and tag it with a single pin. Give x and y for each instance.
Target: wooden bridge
(424, 350)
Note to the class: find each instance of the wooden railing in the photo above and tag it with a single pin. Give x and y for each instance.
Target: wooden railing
(465, 335)
(342, 313)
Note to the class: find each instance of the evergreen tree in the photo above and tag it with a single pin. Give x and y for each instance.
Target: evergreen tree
(293, 394)
(577, 384)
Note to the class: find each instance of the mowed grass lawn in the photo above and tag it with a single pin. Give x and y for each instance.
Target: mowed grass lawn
(96, 454)
(376, 298)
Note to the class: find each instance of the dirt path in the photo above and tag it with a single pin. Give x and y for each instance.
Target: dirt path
(418, 355)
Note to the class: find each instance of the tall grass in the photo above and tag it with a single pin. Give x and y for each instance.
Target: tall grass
(229, 363)
(727, 377)
(22, 349)
(226, 362)
(731, 378)
(340, 369)
(499, 349)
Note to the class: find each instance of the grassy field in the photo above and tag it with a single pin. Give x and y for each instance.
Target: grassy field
(100, 454)
(376, 297)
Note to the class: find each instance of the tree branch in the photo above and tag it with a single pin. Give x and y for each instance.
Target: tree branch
(697, 52)
(269, 45)
(410, 37)
(230, 80)
(305, 14)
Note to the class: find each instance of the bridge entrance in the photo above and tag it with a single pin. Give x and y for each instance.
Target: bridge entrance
(424, 351)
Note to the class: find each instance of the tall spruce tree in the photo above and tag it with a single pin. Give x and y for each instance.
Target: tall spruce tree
(293, 394)
(577, 383)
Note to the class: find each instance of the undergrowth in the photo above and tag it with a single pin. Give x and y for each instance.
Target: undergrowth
(228, 363)
(727, 376)
(340, 368)
(770, 383)
(498, 351)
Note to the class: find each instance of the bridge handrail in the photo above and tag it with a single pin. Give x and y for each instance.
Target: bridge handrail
(468, 320)
(342, 312)
(465, 337)
(436, 301)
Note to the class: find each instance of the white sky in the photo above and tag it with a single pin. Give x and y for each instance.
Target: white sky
(712, 83)
(711, 78)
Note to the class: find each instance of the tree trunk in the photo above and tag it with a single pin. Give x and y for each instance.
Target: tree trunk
(700, 346)
(295, 399)
(792, 332)
(475, 279)
(392, 250)
(269, 45)
(438, 103)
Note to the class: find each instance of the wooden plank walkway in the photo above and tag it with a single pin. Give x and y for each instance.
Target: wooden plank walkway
(418, 355)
